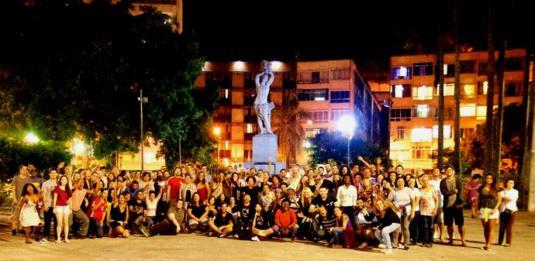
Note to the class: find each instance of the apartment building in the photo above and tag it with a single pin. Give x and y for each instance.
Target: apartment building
(413, 118)
(328, 90)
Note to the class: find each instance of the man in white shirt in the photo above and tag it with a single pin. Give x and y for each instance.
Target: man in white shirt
(46, 189)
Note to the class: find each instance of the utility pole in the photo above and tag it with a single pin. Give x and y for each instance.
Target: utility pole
(142, 100)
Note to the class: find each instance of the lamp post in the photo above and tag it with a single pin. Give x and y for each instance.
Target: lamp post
(142, 100)
(346, 125)
(217, 133)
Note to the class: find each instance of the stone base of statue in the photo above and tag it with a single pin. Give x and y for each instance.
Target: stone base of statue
(265, 154)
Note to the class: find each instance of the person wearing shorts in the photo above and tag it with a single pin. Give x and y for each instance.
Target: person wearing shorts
(452, 206)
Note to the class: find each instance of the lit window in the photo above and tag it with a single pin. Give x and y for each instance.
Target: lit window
(227, 145)
(445, 69)
(403, 71)
(481, 112)
(485, 87)
(423, 93)
(469, 90)
(421, 134)
(422, 110)
(468, 110)
(249, 128)
(449, 89)
(447, 131)
(226, 93)
(398, 90)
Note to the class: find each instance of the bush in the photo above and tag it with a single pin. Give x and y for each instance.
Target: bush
(42, 156)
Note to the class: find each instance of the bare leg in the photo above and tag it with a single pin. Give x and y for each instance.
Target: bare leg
(462, 232)
(173, 219)
(59, 227)
(450, 234)
(66, 224)
(491, 224)
(27, 234)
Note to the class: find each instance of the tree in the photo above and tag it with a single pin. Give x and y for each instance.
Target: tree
(288, 127)
(457, 123)
(84, 65)
(491, 66)
(333, 145)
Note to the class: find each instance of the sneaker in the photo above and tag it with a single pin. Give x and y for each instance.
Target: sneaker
(362, 245)
(144, 231)
(381, 246)
(44, 241)
(404, 247)
(255, 238)
(387, 251)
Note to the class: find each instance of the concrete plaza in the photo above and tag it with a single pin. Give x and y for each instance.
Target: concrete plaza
(197, 247)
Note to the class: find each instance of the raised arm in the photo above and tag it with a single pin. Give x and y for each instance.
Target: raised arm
(361, 159)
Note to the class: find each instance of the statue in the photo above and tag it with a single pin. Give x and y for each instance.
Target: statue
(263, 109)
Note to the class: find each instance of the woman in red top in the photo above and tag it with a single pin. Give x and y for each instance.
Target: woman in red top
(62, 207)
(202, 187)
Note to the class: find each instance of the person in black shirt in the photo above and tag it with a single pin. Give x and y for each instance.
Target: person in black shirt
(251, 189)
(261, 224)
(324, 199)
(137, 209)
(197, 214)
(245, 218)
(389, 221)
(221, 224)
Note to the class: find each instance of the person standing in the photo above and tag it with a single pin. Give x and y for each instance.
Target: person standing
(29, 218)
(452, 206)
(437, 219)
(428, 209)
(78, 215)
(508, 210)
(62, 207)
(46, 190)
(488, 202)
(17, 185)
(347, 196)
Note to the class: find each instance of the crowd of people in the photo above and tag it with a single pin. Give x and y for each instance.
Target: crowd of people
(360, 206)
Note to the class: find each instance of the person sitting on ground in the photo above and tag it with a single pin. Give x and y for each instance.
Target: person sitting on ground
(245, 218)
(262, 226)
(363, 220)
(286, 221)
(177, 215)
(221, 224)
(118, 217)
(197, 214)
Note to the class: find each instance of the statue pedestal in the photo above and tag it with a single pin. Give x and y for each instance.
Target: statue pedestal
(265, 154)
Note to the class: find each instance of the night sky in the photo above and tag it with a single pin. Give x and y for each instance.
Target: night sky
(368, 31)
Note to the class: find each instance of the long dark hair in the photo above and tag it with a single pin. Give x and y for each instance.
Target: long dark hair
(25, 189)
(67, 187)
(493, 187)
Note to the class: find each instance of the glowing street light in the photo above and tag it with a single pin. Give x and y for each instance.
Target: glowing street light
(307, 144)
(31, 138)
(347, 125)
(78, 147)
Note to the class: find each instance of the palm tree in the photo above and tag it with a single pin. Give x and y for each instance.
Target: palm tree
(489, 126)
(287, 126)
(439, 79)
(457, 122)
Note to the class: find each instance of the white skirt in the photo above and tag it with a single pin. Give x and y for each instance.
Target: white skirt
(29, 216)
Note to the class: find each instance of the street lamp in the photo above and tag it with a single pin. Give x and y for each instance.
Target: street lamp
(31, 138)
(217, 133)
(346, 125)
(142, 100)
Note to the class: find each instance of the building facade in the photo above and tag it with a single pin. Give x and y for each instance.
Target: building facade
(414, 114)
(329, 90)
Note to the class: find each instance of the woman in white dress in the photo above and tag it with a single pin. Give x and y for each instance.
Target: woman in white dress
(29, 217)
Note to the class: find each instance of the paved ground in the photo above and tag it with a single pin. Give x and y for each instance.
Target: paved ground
(195, 247)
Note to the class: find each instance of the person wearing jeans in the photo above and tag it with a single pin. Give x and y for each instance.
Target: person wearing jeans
(508, 209)
(389, 222)
(46, 189)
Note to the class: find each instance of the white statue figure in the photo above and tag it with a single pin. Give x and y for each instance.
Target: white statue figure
(263, 109)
